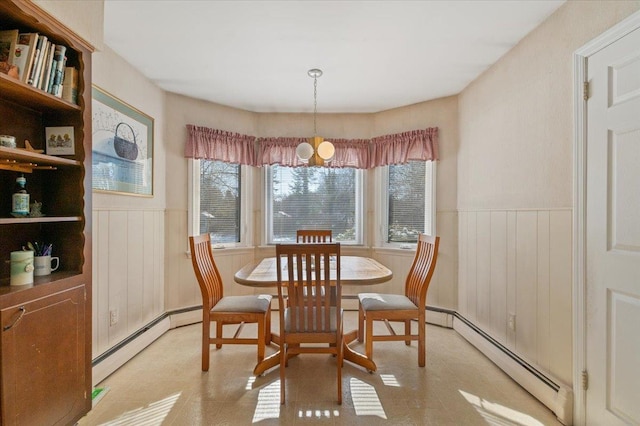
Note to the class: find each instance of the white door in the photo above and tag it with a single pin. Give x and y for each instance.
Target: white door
(613, 234)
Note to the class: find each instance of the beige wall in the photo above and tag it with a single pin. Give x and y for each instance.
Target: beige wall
(515, 187)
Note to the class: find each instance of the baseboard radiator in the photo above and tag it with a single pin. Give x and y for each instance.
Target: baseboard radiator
(551, 392)
(114, 358)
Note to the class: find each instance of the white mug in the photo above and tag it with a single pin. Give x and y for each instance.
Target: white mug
(42, 265)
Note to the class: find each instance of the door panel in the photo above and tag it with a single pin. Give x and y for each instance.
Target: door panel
(613, 234)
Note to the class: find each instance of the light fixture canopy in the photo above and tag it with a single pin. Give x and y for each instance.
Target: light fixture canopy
(316, 151)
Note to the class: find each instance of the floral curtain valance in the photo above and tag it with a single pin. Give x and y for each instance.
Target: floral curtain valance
(231, 147)
(213, 144)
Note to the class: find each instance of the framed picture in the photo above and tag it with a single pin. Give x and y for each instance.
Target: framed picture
(122, 146)
(59, 140)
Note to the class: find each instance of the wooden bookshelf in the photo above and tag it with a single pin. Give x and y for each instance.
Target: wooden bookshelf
(45, 327)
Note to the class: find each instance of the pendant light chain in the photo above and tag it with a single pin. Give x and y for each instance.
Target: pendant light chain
(315, 103)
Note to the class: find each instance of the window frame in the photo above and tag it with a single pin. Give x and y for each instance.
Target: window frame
(382, 205)
(246, 205)
(267, 222)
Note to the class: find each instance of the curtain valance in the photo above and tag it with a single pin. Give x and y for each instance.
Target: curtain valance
(402, 147)
(213, 144)
(282, 151)
(236, 148)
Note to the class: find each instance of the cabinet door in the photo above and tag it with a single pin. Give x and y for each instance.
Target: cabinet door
(43, 358)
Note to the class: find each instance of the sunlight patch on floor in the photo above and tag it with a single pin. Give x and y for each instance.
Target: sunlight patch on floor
(250, 383)
(268, 406)
(390, 380)
(153, 414)
(497, 414)
(317, 414)
(365, 399)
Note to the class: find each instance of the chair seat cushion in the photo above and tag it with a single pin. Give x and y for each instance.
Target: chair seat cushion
(332, 319)
(385, 302)
(258, 303)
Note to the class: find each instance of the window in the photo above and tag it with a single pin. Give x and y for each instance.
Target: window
(217, 201)
(410, 201)
(313, 198)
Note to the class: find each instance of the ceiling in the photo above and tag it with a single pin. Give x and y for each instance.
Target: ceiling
(375, 55)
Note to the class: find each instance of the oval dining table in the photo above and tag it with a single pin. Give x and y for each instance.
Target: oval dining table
(354, 270)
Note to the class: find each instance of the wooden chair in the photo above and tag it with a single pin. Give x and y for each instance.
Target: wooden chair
(314, 236)
(224, 310)
(308, 322)
(404, 308)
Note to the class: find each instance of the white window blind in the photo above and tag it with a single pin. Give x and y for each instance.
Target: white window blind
(410, 201)
(220, 201)
(313, 198)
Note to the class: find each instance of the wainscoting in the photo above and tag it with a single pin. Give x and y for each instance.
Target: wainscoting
(128, 273)
(515, 282)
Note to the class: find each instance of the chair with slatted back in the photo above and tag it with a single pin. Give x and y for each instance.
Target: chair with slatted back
(314, 236)
(395, 307)
(225, 310)
(308, 324)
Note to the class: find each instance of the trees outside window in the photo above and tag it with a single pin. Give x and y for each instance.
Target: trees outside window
(313, 198)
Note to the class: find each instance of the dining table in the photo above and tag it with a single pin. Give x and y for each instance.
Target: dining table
(354, 270)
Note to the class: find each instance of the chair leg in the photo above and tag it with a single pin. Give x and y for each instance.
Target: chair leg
(267, 326)
(283, 360)
(422, 347)
(368, 341)
(218, 333)
(407, 331)
(339, 358)
(261, 338)
(360, 323)
(206, 337)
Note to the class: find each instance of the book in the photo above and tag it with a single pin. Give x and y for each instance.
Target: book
(52, 72)
(25, 52)
(8, 41)
(37, 60)
(70, 85)
(45, 64)
(46, 71)
(58, 75)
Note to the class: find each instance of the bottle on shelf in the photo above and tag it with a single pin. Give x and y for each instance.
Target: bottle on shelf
(20, 200)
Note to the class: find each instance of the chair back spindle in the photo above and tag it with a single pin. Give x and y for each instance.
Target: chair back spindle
(314, 236)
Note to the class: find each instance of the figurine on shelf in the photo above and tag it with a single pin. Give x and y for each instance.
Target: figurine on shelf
(36, 209)
(28, 147)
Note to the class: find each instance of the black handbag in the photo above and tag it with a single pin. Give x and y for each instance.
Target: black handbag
(124, 147)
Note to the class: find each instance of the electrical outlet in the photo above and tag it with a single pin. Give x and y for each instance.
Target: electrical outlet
(511, 322)
(113, 317)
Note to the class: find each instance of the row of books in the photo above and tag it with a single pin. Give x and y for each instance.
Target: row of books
(40, 63)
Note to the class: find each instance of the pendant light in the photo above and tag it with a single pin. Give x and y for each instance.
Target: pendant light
(316, 151)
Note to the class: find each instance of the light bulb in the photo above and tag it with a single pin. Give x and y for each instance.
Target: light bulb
(326, 150)
(304, 151)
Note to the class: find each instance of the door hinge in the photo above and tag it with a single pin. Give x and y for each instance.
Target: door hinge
(585, 380)
(585, 91)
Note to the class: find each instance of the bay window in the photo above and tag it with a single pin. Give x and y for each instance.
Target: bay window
(313, 198)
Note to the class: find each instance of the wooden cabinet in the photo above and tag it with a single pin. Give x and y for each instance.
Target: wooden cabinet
(43, 360)
(45, 339)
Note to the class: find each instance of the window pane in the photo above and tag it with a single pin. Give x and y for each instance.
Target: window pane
(220, 201)
(406, 201)
(312, 198)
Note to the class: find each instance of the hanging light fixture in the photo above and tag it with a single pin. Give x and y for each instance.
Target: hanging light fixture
(317, 150)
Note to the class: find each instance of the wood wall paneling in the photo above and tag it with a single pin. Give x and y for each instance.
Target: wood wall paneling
(522, 261)
(498, 278)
